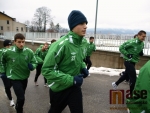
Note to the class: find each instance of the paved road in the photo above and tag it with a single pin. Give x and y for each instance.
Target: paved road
(95, 96)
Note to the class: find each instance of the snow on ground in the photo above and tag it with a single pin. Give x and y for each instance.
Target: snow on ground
(107, 71)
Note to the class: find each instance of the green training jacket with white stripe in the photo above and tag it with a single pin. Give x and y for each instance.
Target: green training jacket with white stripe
(134, 47)
(14, 62)
(64, 60)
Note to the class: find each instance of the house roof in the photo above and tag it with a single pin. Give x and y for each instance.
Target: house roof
(7, 16)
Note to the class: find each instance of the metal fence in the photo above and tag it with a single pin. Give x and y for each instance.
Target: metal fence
(102, 41)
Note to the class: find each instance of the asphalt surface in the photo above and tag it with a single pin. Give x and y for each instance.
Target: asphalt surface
(96, 96)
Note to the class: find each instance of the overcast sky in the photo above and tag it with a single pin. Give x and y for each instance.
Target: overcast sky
(127, 14)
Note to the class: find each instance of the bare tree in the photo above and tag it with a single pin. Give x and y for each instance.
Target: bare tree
(42, 17)
(27, 22)
(57, 27)
(64, 30)
(33, 27)
(52, 26)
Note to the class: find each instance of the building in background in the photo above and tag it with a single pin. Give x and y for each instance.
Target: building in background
(9, 24)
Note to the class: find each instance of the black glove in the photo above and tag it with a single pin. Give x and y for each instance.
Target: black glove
(85, 72)
(78, 80)
(129, 56)
(141, 53)
(30, 66)
(3, 75)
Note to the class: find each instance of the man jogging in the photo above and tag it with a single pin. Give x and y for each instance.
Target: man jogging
(6, 81)
(131, 53)
(40, 54)
(16, 64)
(90, 48)
(140, 101)
(64, 64)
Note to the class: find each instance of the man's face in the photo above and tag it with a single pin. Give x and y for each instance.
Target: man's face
(91, 40)
(45, 46)
(142, 37)
(20, 43)
(80, 29)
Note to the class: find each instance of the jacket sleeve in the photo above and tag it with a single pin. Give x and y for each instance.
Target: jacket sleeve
(3, 62)
(50, 68)
(37, 52)
(123, 48)
(83, 65)
(33, 60)
(94, 48)
(141, 53)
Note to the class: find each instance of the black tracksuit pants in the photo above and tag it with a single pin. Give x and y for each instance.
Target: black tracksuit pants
(7, 85)
(19, 87)
(38, 72)
(71, 97)
(88, 62)
(131, 72)
(127, 77)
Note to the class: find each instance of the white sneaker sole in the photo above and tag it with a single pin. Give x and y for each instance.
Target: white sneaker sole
(12, 105)
(115, 88)
(128, 111)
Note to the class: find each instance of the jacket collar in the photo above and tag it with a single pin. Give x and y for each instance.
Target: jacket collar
(75, 38)
(15, 48)
(137, 40)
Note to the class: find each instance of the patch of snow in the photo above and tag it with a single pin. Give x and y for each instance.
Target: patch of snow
(107, 71)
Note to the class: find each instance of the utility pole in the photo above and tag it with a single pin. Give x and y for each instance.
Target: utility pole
(96, 20)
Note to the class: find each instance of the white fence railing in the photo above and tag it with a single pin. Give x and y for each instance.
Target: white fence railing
(102, 41)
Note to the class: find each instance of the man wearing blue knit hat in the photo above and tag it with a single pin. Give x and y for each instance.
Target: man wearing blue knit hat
(64, 68)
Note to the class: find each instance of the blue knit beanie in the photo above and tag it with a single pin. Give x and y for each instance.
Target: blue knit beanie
(76, 17)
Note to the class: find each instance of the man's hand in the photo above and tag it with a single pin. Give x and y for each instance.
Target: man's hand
(85, 72)
(3, 75)
(78, 80)
(141, 53)
(129, 56)
(30, 66)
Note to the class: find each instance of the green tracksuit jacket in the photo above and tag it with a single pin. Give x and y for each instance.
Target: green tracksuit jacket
(14, 62)
(64, 60)
(40, 55)
(90, 48)
(141, 99)
(133, 46)
(2, 50)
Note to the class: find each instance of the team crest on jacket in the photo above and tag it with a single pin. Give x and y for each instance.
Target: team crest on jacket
(85, 51)
(13, 59)
(73, 56)
(26, 57)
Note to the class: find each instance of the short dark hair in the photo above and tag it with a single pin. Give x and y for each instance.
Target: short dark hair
(91, 37)
(141, 32)
(53, 40)
(19, 36)
(135, 35)
(62, 36)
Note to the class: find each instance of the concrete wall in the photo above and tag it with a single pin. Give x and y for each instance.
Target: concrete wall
(100, 58)
(113, 60)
